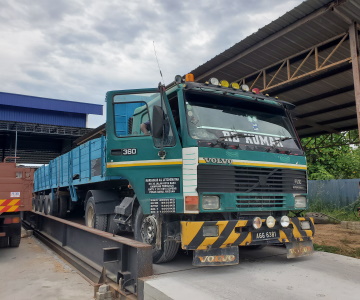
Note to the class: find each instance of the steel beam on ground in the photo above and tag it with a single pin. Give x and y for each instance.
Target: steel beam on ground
(94, 251)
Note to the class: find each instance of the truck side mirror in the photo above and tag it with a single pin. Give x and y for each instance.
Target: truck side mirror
(157, 122)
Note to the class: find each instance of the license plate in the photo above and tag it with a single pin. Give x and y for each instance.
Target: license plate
(265, 235)
(216, 257)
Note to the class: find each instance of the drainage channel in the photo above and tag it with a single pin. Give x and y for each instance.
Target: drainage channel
(100, 256)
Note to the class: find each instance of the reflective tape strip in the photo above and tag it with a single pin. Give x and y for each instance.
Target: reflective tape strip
(261, 164)
(9, 205)
(192, 237)
(144, 163)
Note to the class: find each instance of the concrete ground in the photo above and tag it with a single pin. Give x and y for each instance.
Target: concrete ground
(261, 274)
(32, 271)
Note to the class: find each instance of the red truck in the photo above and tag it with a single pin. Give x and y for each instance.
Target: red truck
(16, 184)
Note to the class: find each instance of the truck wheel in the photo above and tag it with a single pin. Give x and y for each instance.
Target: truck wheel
(4, 242)
(14, 241)
(145, 230)
(63, 201)
(92, 219)
(41, 204)
(112, 226)
(47, 205)
(53, 206)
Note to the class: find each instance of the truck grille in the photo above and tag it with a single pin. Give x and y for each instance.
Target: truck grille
(260, 201)
(238, 179)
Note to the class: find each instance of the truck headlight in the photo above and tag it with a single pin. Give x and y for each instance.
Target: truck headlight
(300, 201)
(257, 222)
(211, 202)
(285, 221)
(270, 221)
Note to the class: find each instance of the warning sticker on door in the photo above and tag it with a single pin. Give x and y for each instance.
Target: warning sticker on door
(165, 185)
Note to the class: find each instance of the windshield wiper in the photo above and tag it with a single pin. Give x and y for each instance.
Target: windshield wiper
(221, 139)
(239, 134)
(278, 141)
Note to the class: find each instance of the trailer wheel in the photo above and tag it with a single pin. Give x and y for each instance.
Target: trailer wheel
(53, 206)
(47, 205)
(14, 241)
(4, 242)
(145, 230)
(92, 219)
(63, 201)
(36, 203)
(41, 204)
(112, 226)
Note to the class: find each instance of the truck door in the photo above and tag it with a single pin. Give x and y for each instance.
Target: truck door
(153, 166)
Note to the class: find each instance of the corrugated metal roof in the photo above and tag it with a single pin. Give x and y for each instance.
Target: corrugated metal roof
(311, 23)
(50, 104)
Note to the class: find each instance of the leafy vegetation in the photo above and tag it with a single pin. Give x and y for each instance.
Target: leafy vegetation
(345, 213)
(333, 160)
(332, 249)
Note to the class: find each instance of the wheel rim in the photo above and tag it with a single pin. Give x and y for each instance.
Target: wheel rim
(148, 230)
(90, 217)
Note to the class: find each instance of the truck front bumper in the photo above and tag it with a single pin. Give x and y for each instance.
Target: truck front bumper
(206, 235)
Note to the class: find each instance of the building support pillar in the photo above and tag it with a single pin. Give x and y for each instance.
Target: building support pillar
(354, 49)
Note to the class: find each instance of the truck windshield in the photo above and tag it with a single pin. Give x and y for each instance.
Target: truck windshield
(241, 121)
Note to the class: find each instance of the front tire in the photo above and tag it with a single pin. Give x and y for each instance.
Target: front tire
(145, 230)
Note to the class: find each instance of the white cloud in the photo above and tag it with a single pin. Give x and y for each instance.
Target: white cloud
(77, 50)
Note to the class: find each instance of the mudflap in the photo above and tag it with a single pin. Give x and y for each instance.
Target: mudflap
(216, 257)
(298, 249)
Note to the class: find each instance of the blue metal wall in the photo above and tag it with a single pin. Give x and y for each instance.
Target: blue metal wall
(29, 109)
(40, 116)
(338, 193)
(49, 104)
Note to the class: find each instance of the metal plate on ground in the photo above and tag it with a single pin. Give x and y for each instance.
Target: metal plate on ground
(297, 249)
(216, 257)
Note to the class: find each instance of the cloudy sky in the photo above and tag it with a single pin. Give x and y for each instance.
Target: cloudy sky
(79, 49)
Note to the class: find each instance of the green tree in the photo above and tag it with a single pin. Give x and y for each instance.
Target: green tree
(333, 159)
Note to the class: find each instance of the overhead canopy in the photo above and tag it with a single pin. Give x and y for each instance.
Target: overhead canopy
(304, 57)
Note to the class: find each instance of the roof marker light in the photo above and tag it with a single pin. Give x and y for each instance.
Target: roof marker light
(214, 81)
(245, 87)
(256, 91)
(235, 85)
(224, 83)
(189, 77)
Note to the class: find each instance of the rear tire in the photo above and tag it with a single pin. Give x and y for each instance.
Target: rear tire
(47, 205)
(145, 229)
(53, 205)
(4, 242)
(112, 226)
(41, 204)
(63, 206)
(14, 241)
(93, 220)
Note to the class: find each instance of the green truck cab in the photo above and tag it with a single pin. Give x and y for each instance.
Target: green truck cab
(207, 166)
